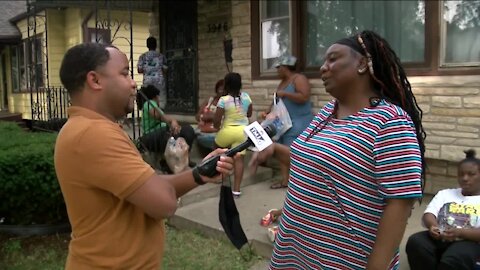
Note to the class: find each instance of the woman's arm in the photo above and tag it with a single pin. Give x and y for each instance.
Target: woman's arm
(155, 113)
(140, 64)
(390, 232)
(302, 90)
(200, 111)
(172, 123)
(217, 120)
(263, 114)
(249, 110)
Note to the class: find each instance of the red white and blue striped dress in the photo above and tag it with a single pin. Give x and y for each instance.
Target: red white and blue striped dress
(339, 180)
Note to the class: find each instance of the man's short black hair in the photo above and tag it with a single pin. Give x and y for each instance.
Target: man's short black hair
(78, 61)
(152, 43)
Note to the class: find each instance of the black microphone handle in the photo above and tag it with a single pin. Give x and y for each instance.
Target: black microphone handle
(239, 148)
(209, 166)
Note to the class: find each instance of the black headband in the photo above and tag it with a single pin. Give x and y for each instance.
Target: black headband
(353, 43)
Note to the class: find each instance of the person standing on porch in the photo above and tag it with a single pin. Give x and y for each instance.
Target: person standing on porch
(152, 65)
(116, 202)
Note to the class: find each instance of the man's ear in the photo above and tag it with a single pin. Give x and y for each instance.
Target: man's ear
(93, 81)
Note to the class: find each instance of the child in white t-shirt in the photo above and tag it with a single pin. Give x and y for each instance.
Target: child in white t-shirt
(453, 222)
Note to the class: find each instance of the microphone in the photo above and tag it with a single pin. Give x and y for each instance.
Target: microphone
(208, 167)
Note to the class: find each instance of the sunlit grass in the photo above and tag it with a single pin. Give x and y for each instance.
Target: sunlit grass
(184, 250)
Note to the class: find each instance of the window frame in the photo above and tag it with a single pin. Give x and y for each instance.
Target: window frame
(16, 79)
(98, 32)
(25, 49)
(267, 70)
(33, 57)
(431, 66)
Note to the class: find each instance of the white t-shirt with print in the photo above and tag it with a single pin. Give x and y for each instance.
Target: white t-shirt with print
(452, 209)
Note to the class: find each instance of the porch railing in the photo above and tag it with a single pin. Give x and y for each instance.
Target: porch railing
(49, 108)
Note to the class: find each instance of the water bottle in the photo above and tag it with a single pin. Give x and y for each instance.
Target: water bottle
(171, 142)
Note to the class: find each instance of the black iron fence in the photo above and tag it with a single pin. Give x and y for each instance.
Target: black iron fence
(49, 111)
(49, 108)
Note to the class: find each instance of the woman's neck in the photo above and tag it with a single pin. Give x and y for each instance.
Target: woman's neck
(289, 75)
(346, 107)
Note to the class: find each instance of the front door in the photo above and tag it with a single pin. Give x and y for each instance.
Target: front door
(3, 84)
(179, 43)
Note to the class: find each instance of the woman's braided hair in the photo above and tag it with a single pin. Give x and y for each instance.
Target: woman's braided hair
(391, 83)
(233, 86)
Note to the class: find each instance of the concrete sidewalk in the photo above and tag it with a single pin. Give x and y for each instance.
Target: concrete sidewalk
(255, 201)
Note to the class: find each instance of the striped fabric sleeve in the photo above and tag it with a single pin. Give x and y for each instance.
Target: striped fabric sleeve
(398, 163)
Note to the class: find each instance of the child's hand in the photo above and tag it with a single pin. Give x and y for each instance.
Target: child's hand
(451, 234)
(434, 232)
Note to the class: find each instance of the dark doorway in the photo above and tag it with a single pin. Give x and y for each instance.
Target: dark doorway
(179, 44)
(3, 83)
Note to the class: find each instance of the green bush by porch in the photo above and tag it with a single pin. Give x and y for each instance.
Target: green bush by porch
(28, 185)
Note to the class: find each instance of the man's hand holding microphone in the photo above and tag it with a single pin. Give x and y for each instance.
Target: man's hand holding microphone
(257, 136)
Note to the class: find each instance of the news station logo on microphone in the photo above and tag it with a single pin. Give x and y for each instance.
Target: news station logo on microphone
(258, 135)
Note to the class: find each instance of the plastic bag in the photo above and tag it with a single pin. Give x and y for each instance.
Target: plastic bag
(176, 154)
(279, 117)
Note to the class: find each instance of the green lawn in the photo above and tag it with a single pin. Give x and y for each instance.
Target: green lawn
(184, 250)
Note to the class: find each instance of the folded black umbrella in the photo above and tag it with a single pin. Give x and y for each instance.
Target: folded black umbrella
(229, 217)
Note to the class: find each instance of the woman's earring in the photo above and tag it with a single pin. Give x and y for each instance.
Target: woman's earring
(362, 70)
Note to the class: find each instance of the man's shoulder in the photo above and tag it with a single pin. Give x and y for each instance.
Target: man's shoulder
(82, 131)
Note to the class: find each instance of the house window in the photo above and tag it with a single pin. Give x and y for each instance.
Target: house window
(275, 29)
(401, 23)
(15, 53)
(429, 37)
(460, 33)
(34, 62)
(27, 64)
(97, 35)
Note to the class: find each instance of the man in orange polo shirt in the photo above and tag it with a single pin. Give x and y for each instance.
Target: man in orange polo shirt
(116, 202)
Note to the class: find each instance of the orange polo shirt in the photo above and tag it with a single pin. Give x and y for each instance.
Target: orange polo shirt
(98, 166)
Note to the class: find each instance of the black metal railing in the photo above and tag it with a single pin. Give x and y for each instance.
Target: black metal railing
(49, 108)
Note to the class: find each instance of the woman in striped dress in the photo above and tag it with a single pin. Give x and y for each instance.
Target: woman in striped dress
(357, 169)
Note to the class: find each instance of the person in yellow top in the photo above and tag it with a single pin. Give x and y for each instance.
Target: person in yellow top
(116, 202)
(234, 108)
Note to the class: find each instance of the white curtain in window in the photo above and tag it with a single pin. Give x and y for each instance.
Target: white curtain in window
(401, 23)
(461, 37)
(270, 45)
(275, 31)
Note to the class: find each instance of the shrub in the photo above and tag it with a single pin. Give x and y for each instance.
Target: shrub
(28, 185)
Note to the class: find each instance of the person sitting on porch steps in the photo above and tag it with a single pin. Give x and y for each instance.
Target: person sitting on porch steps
(453, 222)
(158, 127)
(206, 132)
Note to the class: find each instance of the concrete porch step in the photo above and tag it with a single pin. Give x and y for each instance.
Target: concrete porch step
(8, 116)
